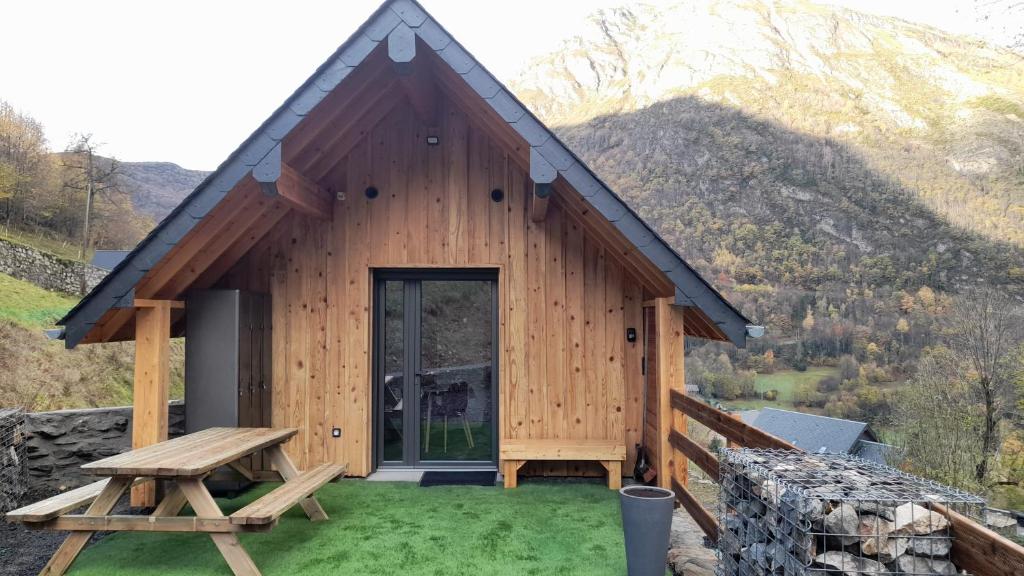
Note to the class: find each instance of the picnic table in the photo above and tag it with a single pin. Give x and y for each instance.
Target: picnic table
(183, 462)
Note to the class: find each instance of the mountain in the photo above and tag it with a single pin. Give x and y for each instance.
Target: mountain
(157, 187)
(800, 145)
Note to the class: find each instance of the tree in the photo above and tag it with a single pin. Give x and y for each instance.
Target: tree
(24, 160)
(808, 323)
(902, 326)
(987, 327)
(87, 174)
(927, 297)
(938, 424)
(849, 369)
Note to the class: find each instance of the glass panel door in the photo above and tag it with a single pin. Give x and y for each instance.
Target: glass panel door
(392, 390)
(455, 360)
(436, 391)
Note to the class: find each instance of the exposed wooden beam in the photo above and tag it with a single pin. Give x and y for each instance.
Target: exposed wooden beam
(261, 209)
(333, 113)
(417, 80)
(539, 202)
(150, 390)
(185, 251)
(239, 249)
(364, 114)
(422, 93)
(296, 190)
(149, 303)
(279, 180)
(668, 323)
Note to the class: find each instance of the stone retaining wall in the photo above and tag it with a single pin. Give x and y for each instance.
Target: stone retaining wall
(57, 443)
(46, 270)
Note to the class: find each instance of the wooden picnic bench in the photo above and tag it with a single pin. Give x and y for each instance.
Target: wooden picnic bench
(185, 461)
(516, 453)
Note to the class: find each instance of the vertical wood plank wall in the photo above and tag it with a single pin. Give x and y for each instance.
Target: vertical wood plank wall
(566, 370)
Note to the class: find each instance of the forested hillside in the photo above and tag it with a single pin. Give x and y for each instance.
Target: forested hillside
(855, 183)
(839, 175)
(43, 193)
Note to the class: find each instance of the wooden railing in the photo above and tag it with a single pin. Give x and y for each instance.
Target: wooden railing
(976, 549)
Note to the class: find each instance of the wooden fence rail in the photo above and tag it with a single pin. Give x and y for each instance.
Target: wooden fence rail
(726, 425)
(976, 549)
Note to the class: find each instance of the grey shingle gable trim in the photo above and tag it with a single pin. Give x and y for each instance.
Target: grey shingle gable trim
(691, 288)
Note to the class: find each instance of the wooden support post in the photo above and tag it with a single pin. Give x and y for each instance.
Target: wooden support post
(671, 376)
(539, 202)
(543, 175)
(150, 392)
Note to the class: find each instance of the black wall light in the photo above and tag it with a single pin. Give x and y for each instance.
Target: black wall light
(497, 195)
(372, 192)
(630, 334)
(433, 140)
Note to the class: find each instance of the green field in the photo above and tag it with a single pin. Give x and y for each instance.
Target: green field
(29, 306)
(786, 382)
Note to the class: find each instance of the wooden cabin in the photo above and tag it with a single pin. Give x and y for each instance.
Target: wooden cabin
(406, 265)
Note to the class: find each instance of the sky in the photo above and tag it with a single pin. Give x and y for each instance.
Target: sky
(188, 81)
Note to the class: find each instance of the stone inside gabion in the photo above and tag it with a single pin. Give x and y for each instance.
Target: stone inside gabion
(796, 513)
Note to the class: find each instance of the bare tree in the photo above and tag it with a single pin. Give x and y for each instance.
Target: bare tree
(987, 329)
(89, 174)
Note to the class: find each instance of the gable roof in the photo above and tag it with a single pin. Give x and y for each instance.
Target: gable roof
(400, 23)
(811, 432)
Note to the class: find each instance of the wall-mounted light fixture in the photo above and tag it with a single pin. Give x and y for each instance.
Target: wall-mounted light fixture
(630, 334)
(433, 140)
(372, 192)
(497, 195)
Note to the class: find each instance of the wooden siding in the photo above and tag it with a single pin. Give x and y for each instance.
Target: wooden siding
(566, 370)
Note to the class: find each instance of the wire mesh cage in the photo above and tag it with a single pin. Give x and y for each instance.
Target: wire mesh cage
(787, 512)
(12, 458)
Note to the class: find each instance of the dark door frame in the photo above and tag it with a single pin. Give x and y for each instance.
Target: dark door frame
(411, 325)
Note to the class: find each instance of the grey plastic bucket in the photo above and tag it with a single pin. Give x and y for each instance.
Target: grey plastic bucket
(646, 524)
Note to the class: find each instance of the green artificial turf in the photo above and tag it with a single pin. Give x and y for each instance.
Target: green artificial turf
(385, 528)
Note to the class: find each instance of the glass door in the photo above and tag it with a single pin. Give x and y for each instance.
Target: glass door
(436, 391)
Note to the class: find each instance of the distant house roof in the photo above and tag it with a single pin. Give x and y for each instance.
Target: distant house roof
(749, 416)
(108, 259)
(874, 451)
(812, 432)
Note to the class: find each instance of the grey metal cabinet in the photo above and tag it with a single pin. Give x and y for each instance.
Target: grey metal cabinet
(228, 361)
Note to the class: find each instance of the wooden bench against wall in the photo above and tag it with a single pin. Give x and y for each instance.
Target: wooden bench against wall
(516, 453)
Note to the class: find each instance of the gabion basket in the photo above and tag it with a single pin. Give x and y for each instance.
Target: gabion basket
(784, 512)
(12, 458)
